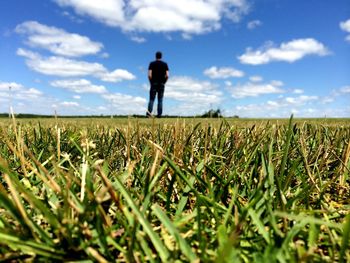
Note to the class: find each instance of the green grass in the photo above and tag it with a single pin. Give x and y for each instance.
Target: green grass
(186, 190)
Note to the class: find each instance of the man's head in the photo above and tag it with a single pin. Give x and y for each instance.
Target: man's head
(159, 55)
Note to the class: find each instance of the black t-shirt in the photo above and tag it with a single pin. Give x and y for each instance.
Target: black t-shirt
(159, 69)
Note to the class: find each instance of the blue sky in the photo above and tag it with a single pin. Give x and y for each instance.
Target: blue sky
(262, 58)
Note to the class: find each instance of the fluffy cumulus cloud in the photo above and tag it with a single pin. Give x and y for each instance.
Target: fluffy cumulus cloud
(186, 16)
(126, 104)
(116, 75)
(78, 86)
(223, 73)
(110, 12)
(255, 89)
(346, 27)
(287, 52)
(57, 40)
(64, 67)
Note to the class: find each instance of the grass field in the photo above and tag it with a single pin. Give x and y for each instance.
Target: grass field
(176, 190)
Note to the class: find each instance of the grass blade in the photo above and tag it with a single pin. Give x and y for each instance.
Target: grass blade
(184, 246)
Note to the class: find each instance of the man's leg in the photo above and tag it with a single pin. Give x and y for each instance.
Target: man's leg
(160, 99)
(152, 96)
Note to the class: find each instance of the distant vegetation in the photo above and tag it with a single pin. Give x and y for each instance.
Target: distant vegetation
(209, 114)
(212, 114)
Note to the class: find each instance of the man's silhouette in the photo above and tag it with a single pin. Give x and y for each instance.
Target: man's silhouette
(158, 74)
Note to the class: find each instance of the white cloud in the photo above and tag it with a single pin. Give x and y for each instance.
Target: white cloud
(256, 79)
(297, 101)
(70, 104)
(277, 83)
(223, 73)
(77, 97)
(298, 91)
(102, 108)
(185, 36)
(31, 93)
(64, 67)
(57, 40)
(346, 27)
(23, 99)
(72, 17)
(254, 24)
(345, 89)
(251, 89)
(6, 86)
(29, 100)
(138, 39)
(302, 105)
(126, 104)
(109, 12)
(117, 75)
(193, 91)
(300, 100)
(104, 55)
(186, 16)
(175, 17)
(328, 99)
(288, 52)
(18, 92)
(78, 86)
(28, 54)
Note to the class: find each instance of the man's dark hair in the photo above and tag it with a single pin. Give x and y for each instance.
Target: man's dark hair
(158, 55)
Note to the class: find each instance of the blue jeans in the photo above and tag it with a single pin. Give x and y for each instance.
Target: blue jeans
(156, 88)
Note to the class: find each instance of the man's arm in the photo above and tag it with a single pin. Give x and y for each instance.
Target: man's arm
(166, 75)
(150, 75)
(166, 72)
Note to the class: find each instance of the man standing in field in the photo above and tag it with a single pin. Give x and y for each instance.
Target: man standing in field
(158, 74)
